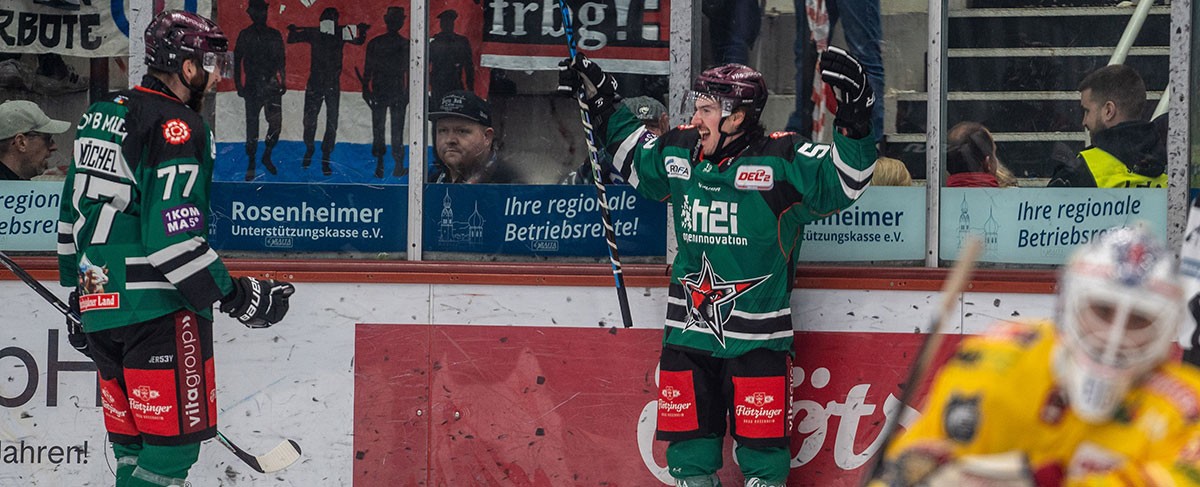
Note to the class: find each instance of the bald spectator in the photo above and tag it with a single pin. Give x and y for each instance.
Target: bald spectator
(26, 139)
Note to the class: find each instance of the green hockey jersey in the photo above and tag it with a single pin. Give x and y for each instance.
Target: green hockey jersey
(738, 225)
(132, 231)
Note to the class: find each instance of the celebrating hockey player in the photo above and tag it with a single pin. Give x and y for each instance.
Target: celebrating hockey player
(133, 242)
(740, 199)
(1092, 399)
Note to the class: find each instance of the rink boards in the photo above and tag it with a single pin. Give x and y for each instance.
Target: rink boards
(479, 384)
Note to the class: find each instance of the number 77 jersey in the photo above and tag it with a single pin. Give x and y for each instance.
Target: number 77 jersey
(132, 231)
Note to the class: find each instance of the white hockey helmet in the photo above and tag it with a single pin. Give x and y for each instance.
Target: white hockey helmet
(1119, 308)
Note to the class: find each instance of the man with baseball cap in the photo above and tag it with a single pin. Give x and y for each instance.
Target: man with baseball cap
(26, 139)
(465, 142)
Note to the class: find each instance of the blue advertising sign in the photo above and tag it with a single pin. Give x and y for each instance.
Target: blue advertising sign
(309, 218)
(886, 223)
(1042, 225)
(540, 220)
(29, 214)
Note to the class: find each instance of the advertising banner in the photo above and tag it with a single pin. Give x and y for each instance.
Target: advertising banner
(29, 214)
(886, 223)
(540, 220)
(630, 36)
(85, 28)
(1041, 225)
(576, 406)
(298, 217)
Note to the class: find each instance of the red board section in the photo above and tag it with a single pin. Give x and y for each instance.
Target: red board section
(538, 406)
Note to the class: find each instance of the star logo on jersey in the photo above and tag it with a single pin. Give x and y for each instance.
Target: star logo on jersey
(176, 131)
(710, 297)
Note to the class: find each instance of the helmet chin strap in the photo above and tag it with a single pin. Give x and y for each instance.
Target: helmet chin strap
(195, 94)
(724, 135)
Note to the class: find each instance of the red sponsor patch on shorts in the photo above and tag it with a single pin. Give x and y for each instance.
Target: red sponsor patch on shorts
(760, 406)
(116, 409)
(88, 302)
(677, 402)
(176, 131)
(152, 400)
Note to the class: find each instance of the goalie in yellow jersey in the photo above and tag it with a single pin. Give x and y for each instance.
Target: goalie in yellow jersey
(1092, 400)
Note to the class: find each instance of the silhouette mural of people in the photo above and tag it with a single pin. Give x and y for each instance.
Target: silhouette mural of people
(450, 60)
(324, 80)
(258, 75)
(385, 89)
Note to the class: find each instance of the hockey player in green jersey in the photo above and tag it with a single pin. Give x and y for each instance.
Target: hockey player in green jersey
(740, 199)
(132, 241)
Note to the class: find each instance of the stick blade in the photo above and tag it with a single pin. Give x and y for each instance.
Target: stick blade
(280, 457)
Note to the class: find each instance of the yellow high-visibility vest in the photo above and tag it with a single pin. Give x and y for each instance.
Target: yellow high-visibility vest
(1110, 172)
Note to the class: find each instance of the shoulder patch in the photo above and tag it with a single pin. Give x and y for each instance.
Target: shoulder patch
(756, 178)
(1176, 392)
(677, 167)
(176, 131)
(1008, 331)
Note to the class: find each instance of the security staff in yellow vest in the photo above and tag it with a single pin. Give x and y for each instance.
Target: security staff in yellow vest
(1126, 152)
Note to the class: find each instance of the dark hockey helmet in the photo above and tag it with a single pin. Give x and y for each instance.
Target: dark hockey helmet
(176, 35)
(733, 85)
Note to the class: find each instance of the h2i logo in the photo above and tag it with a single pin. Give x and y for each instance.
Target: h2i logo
(716, 218)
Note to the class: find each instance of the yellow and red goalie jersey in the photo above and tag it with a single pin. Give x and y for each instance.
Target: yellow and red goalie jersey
(998, 394)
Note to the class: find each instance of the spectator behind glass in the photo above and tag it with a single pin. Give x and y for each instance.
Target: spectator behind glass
(1125, 150)
(862, 28)
(653, 115)
(971, 159)
(733, 26)
(890, 172)
(465, 142)
(26, 140)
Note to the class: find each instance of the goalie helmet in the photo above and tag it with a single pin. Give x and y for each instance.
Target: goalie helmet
(176, 35)
(1119, 307)
(733, 86)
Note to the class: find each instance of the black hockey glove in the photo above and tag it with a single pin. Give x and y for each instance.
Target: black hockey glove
(257, 303)
(74, 329)
(854, 94)
(599, 89)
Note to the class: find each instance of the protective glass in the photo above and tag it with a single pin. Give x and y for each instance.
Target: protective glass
(220, 63)
(695, 100)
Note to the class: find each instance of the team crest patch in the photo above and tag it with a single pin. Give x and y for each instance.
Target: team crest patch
(961, 420)
(757, 178)
(710, 298)
(176, 131)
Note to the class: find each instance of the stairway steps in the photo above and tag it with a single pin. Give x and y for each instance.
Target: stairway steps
(1044, 73)
(1061, 113)
(1067, 27)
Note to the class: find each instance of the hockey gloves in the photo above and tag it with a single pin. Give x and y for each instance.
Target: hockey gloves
(257, 303)
(74, 329)
(854, 95)
(599, 88)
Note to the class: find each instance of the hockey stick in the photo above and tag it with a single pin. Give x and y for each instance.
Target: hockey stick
(593, 157)
(952, 288)
(280, 457)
